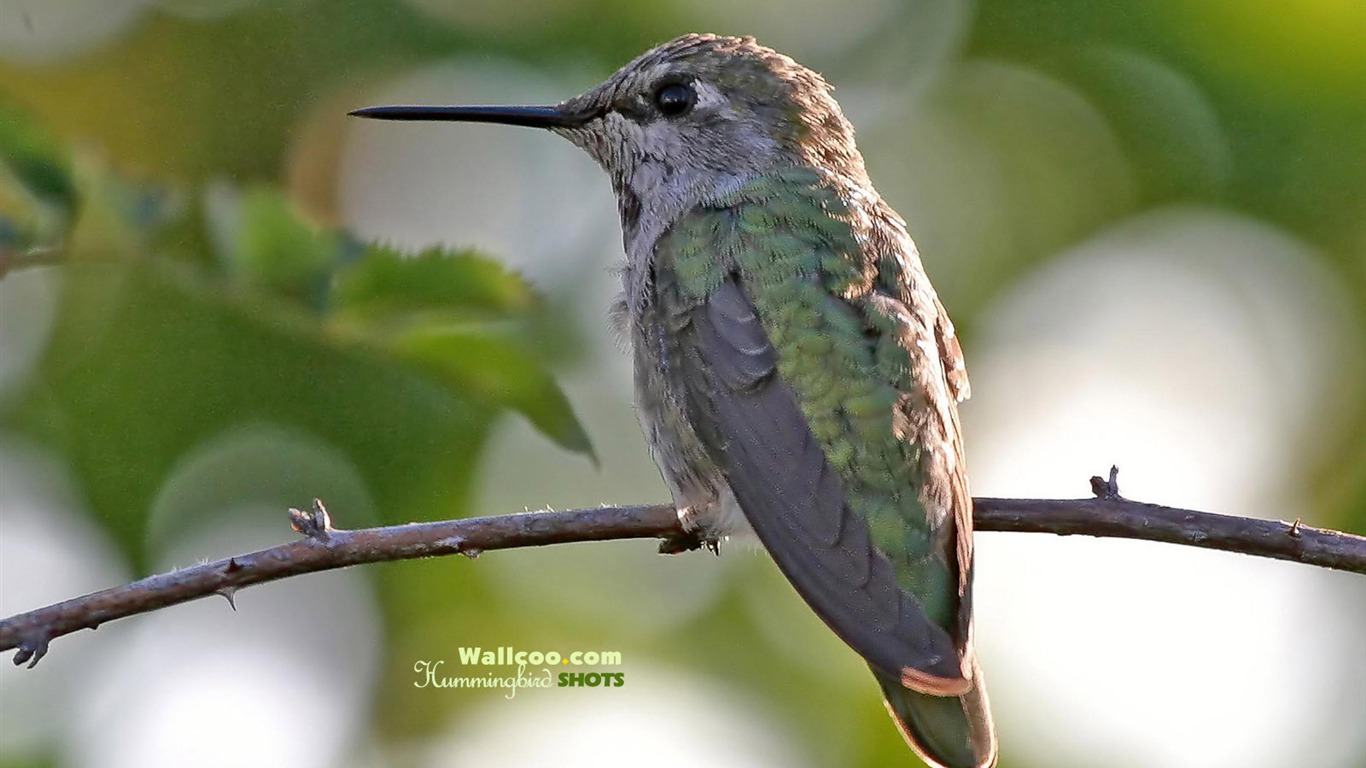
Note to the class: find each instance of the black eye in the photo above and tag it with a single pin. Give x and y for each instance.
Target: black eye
(673, 99)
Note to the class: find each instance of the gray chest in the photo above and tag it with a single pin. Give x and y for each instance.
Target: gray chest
(691, 475)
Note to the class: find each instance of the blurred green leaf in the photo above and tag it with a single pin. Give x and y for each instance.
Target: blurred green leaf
(385, 283)
(496, 370)
(276, 248)
(454, 315)
(38, 194)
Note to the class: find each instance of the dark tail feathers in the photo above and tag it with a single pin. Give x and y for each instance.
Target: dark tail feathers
(948, 731)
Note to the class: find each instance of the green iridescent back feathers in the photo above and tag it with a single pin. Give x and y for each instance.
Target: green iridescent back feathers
(800, 244)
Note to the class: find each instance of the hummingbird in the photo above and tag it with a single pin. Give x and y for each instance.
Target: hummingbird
(796, 375)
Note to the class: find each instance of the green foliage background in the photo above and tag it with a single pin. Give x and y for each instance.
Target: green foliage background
(210, 286)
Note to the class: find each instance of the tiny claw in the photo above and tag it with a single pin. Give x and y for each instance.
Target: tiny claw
(1295, 528)
(688, 541)
(692, 536)
(472, 553)
(678, 543)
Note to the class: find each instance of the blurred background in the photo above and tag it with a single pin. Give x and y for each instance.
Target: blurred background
(1148, 220)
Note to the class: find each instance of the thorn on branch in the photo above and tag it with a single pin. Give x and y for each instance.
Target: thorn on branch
(315, 524)
(1294, 531)
(1106, 489)
(227, 593)
(31, 650)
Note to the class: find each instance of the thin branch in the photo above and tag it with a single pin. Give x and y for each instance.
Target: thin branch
(325, 548)
(13, 259)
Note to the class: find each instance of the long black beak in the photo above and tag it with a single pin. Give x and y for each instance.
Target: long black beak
(532, 117)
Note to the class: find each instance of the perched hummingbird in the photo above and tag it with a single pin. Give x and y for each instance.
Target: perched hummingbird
(795, 372)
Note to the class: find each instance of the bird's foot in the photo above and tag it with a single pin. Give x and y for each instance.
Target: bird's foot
(692, 537)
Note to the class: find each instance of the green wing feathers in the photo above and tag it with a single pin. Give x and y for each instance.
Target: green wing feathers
(821, 374)
(828, 310)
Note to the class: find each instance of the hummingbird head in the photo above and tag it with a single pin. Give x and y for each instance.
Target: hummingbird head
(686, 122)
